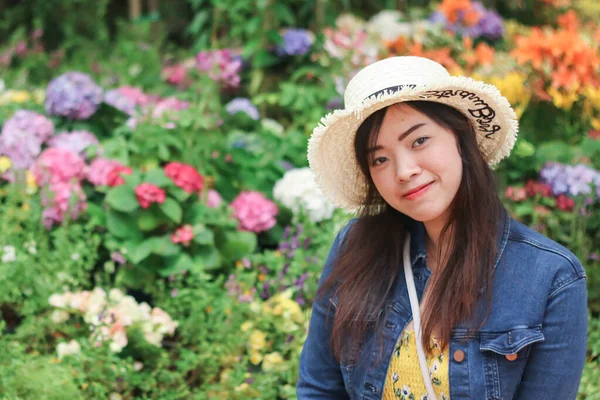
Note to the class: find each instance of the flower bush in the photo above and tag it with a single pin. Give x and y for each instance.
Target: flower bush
(73, 95)
(160, 198)
(298, 190)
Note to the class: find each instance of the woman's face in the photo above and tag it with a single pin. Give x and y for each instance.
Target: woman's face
(412, 151)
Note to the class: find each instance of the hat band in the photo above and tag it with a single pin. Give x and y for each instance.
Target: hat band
(390, 90)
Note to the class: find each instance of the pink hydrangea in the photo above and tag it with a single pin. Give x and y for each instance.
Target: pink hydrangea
(22, 137)
(175, 74)
(76, 141)
(221, 66)
(185, 176)
(115, 176)
(169, 106)
(61, 200)
(100, 169)
(254, 212)
(58, 165)
(148, 193)
(214, 199)
(183, 235)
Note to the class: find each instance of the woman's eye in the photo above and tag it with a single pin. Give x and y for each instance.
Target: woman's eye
(421, 140)
(379, 160)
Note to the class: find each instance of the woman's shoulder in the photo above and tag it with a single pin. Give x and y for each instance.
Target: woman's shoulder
(531, 248)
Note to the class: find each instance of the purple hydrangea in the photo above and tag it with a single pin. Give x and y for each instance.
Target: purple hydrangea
(119, 101)
(241, 104)
(296, 42)
(76, 141)
(22, 137)
(567, 179)
(73, 95)
(221, 66)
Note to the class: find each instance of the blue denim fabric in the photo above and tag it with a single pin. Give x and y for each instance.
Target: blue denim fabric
(539, 312)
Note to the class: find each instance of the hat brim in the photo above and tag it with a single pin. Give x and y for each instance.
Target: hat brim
(331, 146)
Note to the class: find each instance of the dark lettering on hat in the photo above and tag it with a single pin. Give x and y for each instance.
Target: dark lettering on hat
(391, 89)
(480, 110)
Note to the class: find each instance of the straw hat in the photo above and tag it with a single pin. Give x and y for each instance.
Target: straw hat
(397, 79)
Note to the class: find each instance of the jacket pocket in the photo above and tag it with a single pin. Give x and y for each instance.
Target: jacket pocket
(504, 356)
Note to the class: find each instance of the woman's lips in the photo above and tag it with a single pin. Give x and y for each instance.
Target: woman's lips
(419, 192)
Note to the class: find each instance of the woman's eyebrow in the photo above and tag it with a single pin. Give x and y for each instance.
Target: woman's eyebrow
(400, 138)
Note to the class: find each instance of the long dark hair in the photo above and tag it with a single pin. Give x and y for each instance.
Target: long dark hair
(369, 262)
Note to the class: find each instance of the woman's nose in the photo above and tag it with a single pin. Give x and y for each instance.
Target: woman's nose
(406, 168)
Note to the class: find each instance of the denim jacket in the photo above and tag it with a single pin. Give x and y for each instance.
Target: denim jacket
(538, 313)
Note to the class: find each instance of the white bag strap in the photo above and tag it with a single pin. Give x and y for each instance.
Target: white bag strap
(414, 305)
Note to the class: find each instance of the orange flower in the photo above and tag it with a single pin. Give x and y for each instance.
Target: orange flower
(441, 55)
(452, 8)
(483, 54)
(569, 21)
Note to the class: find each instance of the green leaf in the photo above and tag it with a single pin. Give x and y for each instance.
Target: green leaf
(134, 179)
(148, 220)
(122, 198)
(164, 247)
(122, 225)
(177, 264)
(157, 177)
(172, 209)
(179, 194)
(203, 235)
(139, 251)
(237, 244)
(210, 257)
(96, 214)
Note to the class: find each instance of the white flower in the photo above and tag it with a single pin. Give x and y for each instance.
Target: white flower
(2, 86)
(65, 349)
(59, 300)
(8, 254)
(298, 190)
(115, 295)
(272, 126)
(387, 25)
(137, 366)
(75, 256)
(31, 247)
(59, 316)
(405, 390)
(115, 396)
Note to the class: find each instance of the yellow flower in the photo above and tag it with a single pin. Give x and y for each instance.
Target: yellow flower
(246, 326)
(255, 357)
(272, 361)
(18, 96)
(512, 86)
(244, 386)
(563, 99)
(5, 164)
(39, 96)
(257, 340)
(225, 375)
(31, 184)
(596, 124)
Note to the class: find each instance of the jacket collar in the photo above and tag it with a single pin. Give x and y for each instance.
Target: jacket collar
(418, 233)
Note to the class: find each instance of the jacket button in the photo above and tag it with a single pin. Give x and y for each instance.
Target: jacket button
(511, 357)
(459, 356)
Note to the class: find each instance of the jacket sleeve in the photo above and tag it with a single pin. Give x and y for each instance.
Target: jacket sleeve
(554, 366)
(320, 375)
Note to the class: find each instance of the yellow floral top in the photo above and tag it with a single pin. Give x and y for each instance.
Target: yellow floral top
(404, 379)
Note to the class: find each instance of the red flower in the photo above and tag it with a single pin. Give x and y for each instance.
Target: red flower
(515, 194)
(532, 188)
(185, 176)
(184, 235)
(593, 134)
(148, 193)
(114, 176)
(564, 203)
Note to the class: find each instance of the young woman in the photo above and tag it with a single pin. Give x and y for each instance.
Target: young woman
(433, 291)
